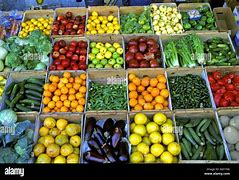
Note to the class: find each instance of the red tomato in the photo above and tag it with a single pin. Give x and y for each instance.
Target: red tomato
(224, 103)
(214, 87)
(211, 79)
(229, 96)
(217, 75)
(230, 87)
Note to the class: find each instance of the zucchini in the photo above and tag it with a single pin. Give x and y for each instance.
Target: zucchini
(205, 126)
(22, 108)
(208, 137)
(34, 87)
(30, 102)
(33, 93)
(220, 151)
(187, 146)
(8, 102)
(184, 151)
(200, 125)
(14, 92)
(188, 136)
(213, 133)
(9, 88)
(36, 81)
(33, 97)
(197, 153)
(15, 100)
(195, 137)
(34, 108)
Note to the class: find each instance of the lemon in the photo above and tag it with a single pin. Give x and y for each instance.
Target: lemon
(41, 140)
(94, 13)
(66, 150)
(149, 158)
(169, 121)
(75, 141)
(72, 129)
(43, 158)
(104, 21)
(38, 149)
(117, 45)
(116, 32)
(155, 137)
(53, 150)
(136, 157)
(61, 124)
(49, 122)
(174, 148)
(152, 127)
(48, 140)
(146, 140)
(166, 128)
(156, 149)
(166, 157)
(59, 160)
(43, 131)
(72, 159)
(109, 31)
(135, 139)
(61, 139)
(116, 27)
(143, 148)
(139, 118)
(115, 19)
(54, 132)
(110, 18)
(159, 118)
(140, 129)
(168, 138)
(101, 18)
(101, 31)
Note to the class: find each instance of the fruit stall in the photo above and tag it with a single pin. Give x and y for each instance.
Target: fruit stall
(108, 84)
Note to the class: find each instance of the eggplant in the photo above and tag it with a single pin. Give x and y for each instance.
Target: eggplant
(108, 125)
(123, 151)
(98, 129)
(98, 137)
(120, 124)
(91, 156)
(94, 145)
(116, 137)
(90, 123)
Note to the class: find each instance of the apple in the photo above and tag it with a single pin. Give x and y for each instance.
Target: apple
(92, 44)
(74, 67)
(52, 67)
(57, 61)
(109, 66)
(108, 54)
(120, 50)
(99, 45)
(65, 63)
(112, 61)
(144, 64)
(103, 50)
(120, 60)
(129, 56)
(91, 66)
(133, 49)
(62, 57)
(95, 61)
(100, 56)
(99, 66)
(82, 67)
(133, 63)
(55, 54)
(83, 44)
(103, 62)
(139, 56)
(83, 51)
(69, 54)
(73, 43)
(95, 50)
(116, 45)
(62, 43)
(117, 66)
(133, 42)
(74, 57)
(56, 47)
(77, 51)
(111, 49)
(115, 55)
(82, 58)
(62, 51)
(59, 67)
(91, 56)
(107, 45)
(59, 18)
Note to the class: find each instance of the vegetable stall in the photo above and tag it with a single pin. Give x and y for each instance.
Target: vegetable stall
(137, 84)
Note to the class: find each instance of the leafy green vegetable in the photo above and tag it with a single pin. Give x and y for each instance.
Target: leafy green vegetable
(8, 117)
(13, 60)
(171, 55)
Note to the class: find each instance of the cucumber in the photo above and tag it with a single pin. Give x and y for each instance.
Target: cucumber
(213, 133)
(36, 81)
(210, 152)
(15, 100)
(200, 125)
(205, 126)
(35, 108)
(8, 102)
(15, 91)
(30, 102)
(193, 123)
(187, 146)
(22, 108)
(220, 151)
(188, 136)
(34, 87)
(195, 137)
(33, 93)
(215, 127)
(184, 151)
(9, 88)
(33, 97)
(208, 137)
(197, 153)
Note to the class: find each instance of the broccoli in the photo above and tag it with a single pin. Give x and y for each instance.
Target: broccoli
(13, 60)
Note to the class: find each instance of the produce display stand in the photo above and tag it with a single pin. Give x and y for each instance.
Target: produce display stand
(102, 75)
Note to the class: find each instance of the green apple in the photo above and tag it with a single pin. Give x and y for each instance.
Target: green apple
(111, 49)
(120, 60)
(117, 66)
(112, 61)
(99, 45)
(103, 62)
(120, 50)
(107, 45)
(92, 44)
(95, 50)
(116, 45)
(91, 56)
(98, 66)
(95, 61)
(91, 66)
(109, 66)
(108, 54)
(115, 55)
(100, 56)
(103, 50)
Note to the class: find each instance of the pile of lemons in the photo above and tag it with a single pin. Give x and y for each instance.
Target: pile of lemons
(97, 24)
(43, 24)
(153, 140)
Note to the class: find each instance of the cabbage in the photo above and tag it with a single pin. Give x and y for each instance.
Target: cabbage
(8, 117)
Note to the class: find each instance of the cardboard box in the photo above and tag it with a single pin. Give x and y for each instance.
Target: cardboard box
(225, 20)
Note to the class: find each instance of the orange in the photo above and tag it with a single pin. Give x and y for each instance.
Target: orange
(51, 104)
(162, 79)
(59, 104)
(165, 103)
(63, 97)
(145, 93)
(136, 81)
(47, 94)
(46, 100)
(83, 83)
(56, 109)
(141, 102)
(52, 88)
(46, 110)
(66, 75)
(155, 92)
(60, 85)
(71, 80)
(64, 80)
(64, 90)
(153, 82)
(51, 77)
(131, 76)
(148, 106)
(153, 102)
(133, 95)
(79, 95)
(55, 79)
(71, 97)
(64, 109)
(159, 99)
(140, 88)
(81, 101)
(148, 98)
(165, 107)
(137, 107)
(145, 81)
(46, 87)
(82, 89)
(161, 86)
(55, 84)
(57, 92)
(69, 85)
(73, 110)
(83, 76)
(76, 86)
(133, 102)
(53, 111)
(72, 91)
(158, 106)
(132, 87)
(78, 80)
(67, 103)
(74, 104)
(149, 89)
(79, 108)
(56, 98)
(164, 93)
(140, 97)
